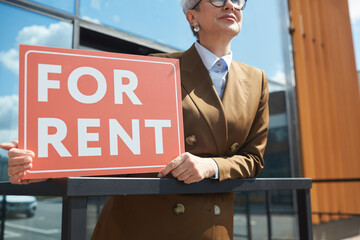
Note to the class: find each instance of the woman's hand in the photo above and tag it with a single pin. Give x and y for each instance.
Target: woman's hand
(189, 168)
(19, 161)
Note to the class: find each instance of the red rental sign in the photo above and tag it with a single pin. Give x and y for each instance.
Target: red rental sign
(96, 113)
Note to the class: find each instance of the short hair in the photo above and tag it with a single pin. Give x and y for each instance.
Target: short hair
(188, 4)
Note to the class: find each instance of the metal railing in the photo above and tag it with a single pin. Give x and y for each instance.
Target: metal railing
(76, 190)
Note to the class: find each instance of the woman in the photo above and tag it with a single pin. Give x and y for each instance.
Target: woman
(225, 113)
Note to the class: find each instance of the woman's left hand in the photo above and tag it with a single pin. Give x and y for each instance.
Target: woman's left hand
(189, 168)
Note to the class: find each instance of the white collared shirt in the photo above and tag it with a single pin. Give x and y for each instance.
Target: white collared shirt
(218, 69)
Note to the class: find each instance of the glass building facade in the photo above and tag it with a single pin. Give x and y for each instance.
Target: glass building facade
(141, 28)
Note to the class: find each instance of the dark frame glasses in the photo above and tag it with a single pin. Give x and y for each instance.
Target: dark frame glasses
(238, 4)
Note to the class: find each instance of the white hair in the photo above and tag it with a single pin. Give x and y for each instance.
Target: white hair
(188, 4)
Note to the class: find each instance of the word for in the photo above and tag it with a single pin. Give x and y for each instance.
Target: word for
(44, 84)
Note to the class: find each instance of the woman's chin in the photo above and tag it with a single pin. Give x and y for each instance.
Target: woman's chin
(230, 31)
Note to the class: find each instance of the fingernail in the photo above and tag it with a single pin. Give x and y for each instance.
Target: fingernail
(27, 166)
(159, 175)
(30, 152)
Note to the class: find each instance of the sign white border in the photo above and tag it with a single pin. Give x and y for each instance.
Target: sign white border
(100, 57)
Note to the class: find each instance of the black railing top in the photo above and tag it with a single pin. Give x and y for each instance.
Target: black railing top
(334, 180)
(107, 186)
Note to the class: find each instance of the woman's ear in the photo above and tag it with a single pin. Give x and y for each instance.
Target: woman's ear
(191, 17)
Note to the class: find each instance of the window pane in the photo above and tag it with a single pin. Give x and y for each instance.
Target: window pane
(284, 225)
(20, 26)
(260, 44)
(28, 218)
(354, 7)
(158, 20)
(67, 6)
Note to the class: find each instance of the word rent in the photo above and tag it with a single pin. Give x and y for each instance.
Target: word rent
(132, 141)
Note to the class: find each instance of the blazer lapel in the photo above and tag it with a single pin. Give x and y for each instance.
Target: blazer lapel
(235, 98)
(196, 80)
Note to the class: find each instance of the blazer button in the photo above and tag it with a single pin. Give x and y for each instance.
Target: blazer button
(234, 147)
(179, 209)
(191, 140)
(216, 210)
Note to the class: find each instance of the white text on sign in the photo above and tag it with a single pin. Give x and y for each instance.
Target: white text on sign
(114, 127)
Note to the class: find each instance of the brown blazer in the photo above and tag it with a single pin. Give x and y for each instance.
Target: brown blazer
(232, 130)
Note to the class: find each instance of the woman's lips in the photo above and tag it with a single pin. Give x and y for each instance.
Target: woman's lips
(229, 17)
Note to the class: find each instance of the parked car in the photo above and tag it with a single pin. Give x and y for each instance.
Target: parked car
(19, 204)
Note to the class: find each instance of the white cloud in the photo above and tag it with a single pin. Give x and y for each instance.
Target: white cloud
(10, 59)
(277, 81)
(8, 120)
(54, 35)
(279, 77)
(94, 20)
(354, 7)
(8, 112)
(95, 4)
(7, 135)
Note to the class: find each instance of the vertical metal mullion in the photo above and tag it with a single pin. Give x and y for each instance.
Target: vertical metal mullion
(76, 34)
(248, 217)
(290, 96)
(76, 27)
(3, 217)
(304, 214)
(74, 213)
(268, 214)
(65, 218)
(290, 93)
(77, 8)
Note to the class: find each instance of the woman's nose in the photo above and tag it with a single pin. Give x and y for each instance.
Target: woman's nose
(229, 5)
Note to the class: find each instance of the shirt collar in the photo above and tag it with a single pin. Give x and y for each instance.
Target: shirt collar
(209, 59)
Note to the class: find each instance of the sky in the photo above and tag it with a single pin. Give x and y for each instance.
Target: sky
(354, 9)
(159, 20)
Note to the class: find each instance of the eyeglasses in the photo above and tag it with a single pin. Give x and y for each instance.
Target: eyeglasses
(238, 4)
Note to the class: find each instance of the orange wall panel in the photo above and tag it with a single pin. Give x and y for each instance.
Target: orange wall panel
(328, 102)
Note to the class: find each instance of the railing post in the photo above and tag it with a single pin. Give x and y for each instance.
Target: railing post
(3, 217)
(268, 214)
(74, 211)
(304, 214)
(248, 217)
